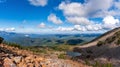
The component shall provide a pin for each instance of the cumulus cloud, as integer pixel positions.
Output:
(72, 9)
(91, 27)
(94, 27)
(80, 13)
(78, 20)
(79, 28)
(53, 18)
(7, 29)
(110, 22)
(42, 25)
(10, 29)
(86, 9)
(65, 29)
(38, 2)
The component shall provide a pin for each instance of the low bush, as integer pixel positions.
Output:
(1, 40)
(62, 56)
(100, 43)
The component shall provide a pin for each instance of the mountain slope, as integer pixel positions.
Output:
(105, 49)
(101, 38)
(15, 57)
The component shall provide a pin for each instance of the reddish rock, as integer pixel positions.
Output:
(37, 64)
(8, 63)
(22, 64)
(17, 59)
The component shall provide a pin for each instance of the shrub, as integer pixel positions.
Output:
(100, 43)
(87, 62)
(1, 40)
(14, 45)
(61, 56)
(118, 42)
(98, 64)
(106, 65)
(60, 47)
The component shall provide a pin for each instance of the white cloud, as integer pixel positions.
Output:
(38, 2)
(1, 29)
(110, 22)
(42, 25)
(53, 18)
(10, 29)
(95, 5)
(72, 9)
(80, 13)
(79, 28)
(7, 29)
(94, 27)
(78, 20)
(65, 29)
(87, 9)
(91, 27)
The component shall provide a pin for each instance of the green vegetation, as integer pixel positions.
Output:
(98, 64)
(62, 56)
(111, 39)
(14, 45)
(118, 42)
(60, 47)
(87, 62)
(41, 49)
(74, 41)
(100, 43)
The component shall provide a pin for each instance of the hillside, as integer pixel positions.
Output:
(15, 57)
(104, 49)
(100, 38)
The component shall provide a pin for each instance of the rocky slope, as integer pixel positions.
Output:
(105, 49)
(14, 57)
(101, 38)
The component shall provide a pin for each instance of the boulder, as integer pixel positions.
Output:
(17, 59)
(22, 64)
(8, 63)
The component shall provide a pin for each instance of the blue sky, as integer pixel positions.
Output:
(59, 16)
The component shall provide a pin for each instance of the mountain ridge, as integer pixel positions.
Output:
(100, 38)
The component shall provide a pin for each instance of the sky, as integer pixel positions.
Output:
(59, 16)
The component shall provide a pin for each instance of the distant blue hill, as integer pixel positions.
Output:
(47, 39)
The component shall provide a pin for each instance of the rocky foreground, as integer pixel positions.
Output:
(14, 57)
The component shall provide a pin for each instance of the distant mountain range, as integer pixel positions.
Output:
(47, 39)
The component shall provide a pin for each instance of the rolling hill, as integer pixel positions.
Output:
(47, 39)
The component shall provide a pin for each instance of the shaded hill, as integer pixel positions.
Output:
(104, 49)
